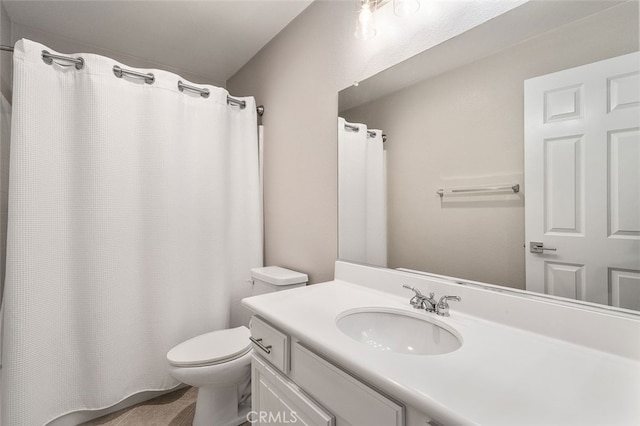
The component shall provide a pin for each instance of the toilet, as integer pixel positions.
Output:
(218, 363)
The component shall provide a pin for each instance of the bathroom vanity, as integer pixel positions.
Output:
(510, 359)
(293, 371)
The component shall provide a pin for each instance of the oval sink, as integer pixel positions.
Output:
(397, 331)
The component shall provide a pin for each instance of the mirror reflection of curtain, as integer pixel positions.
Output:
(362, 216)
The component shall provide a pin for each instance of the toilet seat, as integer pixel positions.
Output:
(211, 348)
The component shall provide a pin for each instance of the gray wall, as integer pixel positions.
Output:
(469, 123)
(297, 77)
(6, 63)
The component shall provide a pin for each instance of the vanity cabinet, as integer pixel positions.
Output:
(277, 400)
(315, 390)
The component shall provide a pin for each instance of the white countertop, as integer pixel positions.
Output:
(500, 376)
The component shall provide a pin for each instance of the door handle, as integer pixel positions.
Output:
(538, 247)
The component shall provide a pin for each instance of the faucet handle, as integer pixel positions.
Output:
(442, 308)
(413, 288)
(417, 301)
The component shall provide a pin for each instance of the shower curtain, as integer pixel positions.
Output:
(134, 218)
(5, 135)
(362, 216)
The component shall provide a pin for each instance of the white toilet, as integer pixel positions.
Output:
(219, 362)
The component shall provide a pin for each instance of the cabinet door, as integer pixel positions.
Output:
(351, 401)
(278, 401)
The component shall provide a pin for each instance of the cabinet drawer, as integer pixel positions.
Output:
(351, 401)
(270, 343)
(277, 400)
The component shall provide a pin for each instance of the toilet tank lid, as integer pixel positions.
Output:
(278, 276)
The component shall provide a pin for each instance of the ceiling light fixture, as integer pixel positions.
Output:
(365, 17)
(405, 7)
(365, 20)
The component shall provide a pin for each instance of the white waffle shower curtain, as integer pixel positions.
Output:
(134, 212)
(362, 214)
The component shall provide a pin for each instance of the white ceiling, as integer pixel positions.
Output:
(210, 39)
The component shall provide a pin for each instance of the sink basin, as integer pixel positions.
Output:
(398, 331)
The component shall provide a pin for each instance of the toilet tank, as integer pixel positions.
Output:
(274, 278)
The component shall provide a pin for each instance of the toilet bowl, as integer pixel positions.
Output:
(219, 362)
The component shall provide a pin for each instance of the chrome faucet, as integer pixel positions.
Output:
(420, 301)
(442, 308)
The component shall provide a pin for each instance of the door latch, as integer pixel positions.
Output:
(538, 247)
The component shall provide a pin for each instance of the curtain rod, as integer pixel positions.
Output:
(370, 133)
(148, 78)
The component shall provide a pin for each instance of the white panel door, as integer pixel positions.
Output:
(582, 182)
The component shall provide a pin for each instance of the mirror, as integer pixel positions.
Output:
(454, 118)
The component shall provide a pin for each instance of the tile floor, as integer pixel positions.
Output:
(172, 409)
